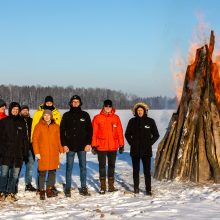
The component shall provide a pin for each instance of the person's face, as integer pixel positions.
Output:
(24, 112)
(49, 103)
(15, 111)
(140, 112)
(75, 103)
(108, 109)
(47, 117)
(2, 109)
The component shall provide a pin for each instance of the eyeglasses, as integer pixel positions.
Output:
(107, 106)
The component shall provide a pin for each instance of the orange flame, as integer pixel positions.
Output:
(216, 82)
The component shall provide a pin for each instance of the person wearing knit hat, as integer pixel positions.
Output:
(29, 163)
(76, 136)
(14, 150)
(48, 104)
(75, 97)
(141, 133)
(47, 147)
(48, 99)
(2, 109)
(107, 139)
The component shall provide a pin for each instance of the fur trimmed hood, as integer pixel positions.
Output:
(142, 105)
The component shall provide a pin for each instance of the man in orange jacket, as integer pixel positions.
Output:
(107, 138)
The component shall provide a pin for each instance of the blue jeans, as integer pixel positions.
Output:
(69, 167)
(8, 178)
(29, 168)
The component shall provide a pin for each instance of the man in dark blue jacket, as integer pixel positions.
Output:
(141, 133)
(76, 137)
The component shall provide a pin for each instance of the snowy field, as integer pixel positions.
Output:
(170, 200)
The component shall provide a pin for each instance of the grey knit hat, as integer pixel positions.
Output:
(49, 112)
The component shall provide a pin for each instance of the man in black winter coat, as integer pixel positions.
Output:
(141, 133)
(76, 137)
(13, 138)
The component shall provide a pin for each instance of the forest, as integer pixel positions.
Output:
(92, 98)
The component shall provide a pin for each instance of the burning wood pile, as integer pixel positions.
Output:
(190, 149)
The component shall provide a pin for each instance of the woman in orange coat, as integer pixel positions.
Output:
(107, 138)
(47, 146)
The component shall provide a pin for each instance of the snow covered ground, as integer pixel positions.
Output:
(170, 200)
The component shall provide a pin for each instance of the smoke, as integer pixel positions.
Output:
(200, 36)
(178, 64)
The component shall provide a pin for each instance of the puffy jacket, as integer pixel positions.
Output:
(2, 115)
(141, 133)
(107, 132)
(38, 115)
(46, 142)
(76, 129)
(13, 141)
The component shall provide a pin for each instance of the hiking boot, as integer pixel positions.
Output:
(11, 197)
(148, 193)
(55, 190)
(136, 190)
(84, 192)
(42, 194)
(103, 185)
(111, 187)
(2, 196)
(30, 188)
(67, 192)
(50, 193)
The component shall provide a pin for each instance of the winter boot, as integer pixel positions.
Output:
(2, 196)
(55, 190)
(111, 187)
(84, 191)
(67, 192)
(103, 185)
(136, 190)
(50, 193)
(11, 197)
(148, 193)
(30, 188)
(42, 194)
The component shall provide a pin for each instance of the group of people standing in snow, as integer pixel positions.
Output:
(50, 135)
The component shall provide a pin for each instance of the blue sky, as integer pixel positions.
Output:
(124, 45)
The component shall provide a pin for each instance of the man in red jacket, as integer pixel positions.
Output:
(107, 138)
(2, 109)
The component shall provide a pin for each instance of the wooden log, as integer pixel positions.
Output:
(209, 141)
(182, 112)
(162, 145)
(216, 130)
(166, 152)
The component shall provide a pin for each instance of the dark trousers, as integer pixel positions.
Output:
(136, 169)
(50, 178)
(111, 155)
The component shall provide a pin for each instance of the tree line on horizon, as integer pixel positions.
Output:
(92, 98)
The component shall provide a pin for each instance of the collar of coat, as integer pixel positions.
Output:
(45, 123)
(106, 114)
(41, 108)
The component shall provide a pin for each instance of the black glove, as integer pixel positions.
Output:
(94, 150)
(121, 149)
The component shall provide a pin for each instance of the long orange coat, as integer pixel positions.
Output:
(46, 142)
(107, 132)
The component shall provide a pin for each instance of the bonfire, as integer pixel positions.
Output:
(190, 149)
